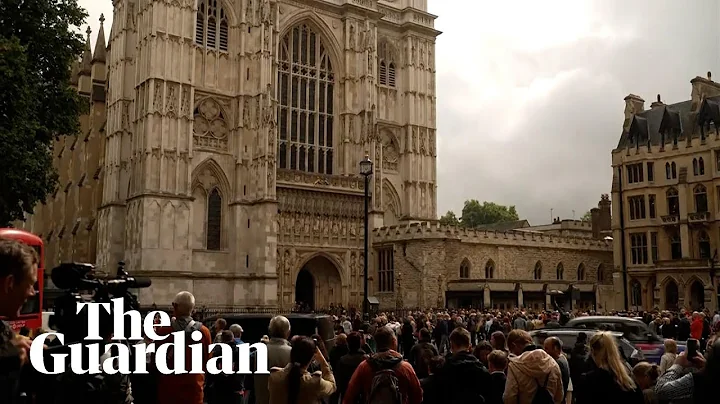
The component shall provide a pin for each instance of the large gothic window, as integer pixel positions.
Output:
(386, 66)
(214, 220)
(306, 85)
(211, 25)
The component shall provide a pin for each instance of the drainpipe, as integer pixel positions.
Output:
(622, 239)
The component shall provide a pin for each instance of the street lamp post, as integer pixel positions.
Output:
(366, 170)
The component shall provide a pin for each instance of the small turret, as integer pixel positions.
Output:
(84, 81)
(99, 55)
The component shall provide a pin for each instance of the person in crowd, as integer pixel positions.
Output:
(579, 360)
(346, 325)
(531, 372)
(278, 356)
(293, 384)
(482, 350)
(472, 327)
(497, 362)
(553, 346)
(407, 338)
(339, 349)
(219, 327)
(237, 331)
(668, 358)
(349, 362)
(386, 366)
(462, 379)
(696, 326)
(683, 327)
(429, 383)
(18, 274)
(440, 333)
(519, 323)
(692, 380)
(185, 388)
(421, 352)
(646, 375)
(609, 381)
(497, 341)
(225, 388)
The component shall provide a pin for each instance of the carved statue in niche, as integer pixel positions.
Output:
(249, 11)
(316, 224)
(390, 154)
(335, 228)
(343, 227)
(326, 226)
(266, 40)
(246, 113)
(185, 109)
(265, 12)
(353, 228)
(306, 225)
(352, 36)
(298, 224)
(271, 176)
(258, 112)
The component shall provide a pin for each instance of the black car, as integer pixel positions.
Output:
(255, 325)
(569, 336)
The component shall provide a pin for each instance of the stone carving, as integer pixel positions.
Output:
(266, 40)
(158, 96)
(246, 113)
(390, 155)
(345, 182)
(171, 106)
(320, 203)
(265, 12)
(210, 129)
(249, 11)
(352, 36)
(432, 142)
(185, 101)
(271, 176)
(258, 112)
(423, 149)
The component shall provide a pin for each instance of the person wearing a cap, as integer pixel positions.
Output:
(237, 333)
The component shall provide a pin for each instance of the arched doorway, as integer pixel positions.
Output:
(697, 295)
(671, 295)
(318, 284)
(305, 289)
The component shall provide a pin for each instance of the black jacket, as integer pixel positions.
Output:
(418, 357)
(9, 366)
(599, 387)
(683, 329)
(345, 368)
(498, 388)
(463, 379)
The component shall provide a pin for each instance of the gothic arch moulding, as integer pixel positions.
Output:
(390, 151)
(330, 257)
(387, 49)
(227, 7)
(391, 203)
(209, 175)
(314, 21)
(211, 126)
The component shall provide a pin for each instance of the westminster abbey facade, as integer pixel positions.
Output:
(221, 152)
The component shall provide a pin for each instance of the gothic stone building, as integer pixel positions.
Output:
(665, 198)
(221, 152)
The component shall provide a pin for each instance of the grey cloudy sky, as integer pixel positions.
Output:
(530, 93)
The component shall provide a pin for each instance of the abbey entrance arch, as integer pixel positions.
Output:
(318, 282)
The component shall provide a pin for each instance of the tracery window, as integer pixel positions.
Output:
(601, 273)
(386, 270)
(386, 66)
(214, 220)
(306, 84)
(581, 272)
(490, 270)
(701, 202)
(465, 269)
(211, 25)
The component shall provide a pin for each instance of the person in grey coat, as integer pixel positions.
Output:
(278, 355)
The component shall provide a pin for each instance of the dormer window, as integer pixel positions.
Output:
(211, 26)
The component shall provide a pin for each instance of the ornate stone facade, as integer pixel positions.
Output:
(224, 150)
(665, 201)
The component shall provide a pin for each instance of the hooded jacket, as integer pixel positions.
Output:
(462, 379)
(528, 372)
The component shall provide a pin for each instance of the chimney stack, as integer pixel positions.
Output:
(657, 103)
(702, 88)
(633, 105)
(601, 217)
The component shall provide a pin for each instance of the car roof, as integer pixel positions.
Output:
(607, 319)
(572, 331)
(289, 316)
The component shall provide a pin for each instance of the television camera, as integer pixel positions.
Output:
(83, 283)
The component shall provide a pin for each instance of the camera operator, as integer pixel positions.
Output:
(18, 274)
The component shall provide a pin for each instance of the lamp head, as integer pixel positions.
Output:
(366, 166)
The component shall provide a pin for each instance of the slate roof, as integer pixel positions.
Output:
(648, 127)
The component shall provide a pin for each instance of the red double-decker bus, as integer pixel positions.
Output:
(31, 312)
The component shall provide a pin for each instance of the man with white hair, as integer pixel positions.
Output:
(278, 355)
(237, 331)
(183, 388)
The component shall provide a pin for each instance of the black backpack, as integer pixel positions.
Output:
(542, 395)
(385, 386)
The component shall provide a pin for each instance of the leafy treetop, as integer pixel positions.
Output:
(475, 214)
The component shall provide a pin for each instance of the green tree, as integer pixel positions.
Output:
(37, 46)
(450, 219)
(475, 214)
(586, 217)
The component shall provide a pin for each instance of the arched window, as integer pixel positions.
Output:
(386, 66)
(211, 25)
(635, 293)
(695, 167)
(537, 272)
(673, 203)
(700, 194)
(673, 168)
(214, 220)
(490, 270)
(601, 273)
(305, 112)
(704, 245)
(675, 245)
(465, 269)
(701, 166)
(581, 272)
(382, 75)
(560, 271)
(391, 74)
(668, 173)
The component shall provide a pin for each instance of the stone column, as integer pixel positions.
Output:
(486, 297)
(520, 297)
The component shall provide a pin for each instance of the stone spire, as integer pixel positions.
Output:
(100, 49)
(85, 68)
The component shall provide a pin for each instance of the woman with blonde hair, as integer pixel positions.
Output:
(646, 375)
(609, 381)
(669, 356)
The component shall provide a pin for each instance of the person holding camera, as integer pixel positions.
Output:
(293, 384)
(692, 377)
(18, 274)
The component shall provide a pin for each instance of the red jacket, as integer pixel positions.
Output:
(362, 379)
(696, 328)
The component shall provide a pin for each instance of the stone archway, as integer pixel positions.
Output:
(319, 282)
(697, 295)
(672, 295)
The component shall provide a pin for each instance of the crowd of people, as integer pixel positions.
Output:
(425, 356)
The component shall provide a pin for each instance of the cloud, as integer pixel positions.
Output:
(530, 93)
